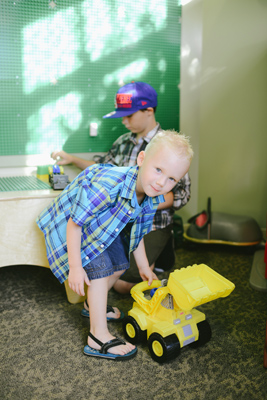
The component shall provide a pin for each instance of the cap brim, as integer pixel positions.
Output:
(120, 113)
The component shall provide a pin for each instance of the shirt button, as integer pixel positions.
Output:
(102, 246)
(87, 258)
(130, 212)
(116, 230)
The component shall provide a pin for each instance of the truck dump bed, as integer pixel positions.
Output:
(196, 285)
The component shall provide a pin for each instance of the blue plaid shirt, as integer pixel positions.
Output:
(98, 200)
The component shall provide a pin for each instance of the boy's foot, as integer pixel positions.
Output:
(112, 348)
(113, 313)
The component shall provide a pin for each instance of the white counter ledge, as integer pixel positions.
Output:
(21, 241)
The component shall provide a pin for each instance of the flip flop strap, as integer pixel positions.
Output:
(106, 346)
(111, 343)
(110, 309)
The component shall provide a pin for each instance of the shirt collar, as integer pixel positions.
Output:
(148, 136)
(129, 185)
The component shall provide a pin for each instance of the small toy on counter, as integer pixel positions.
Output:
(42, 173)
(58, 180)
(167, 318)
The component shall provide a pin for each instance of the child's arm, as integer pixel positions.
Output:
(77, 275)
(66, 158)
(168, 201)
(142, 263)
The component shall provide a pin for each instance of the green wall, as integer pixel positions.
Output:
(62, 63)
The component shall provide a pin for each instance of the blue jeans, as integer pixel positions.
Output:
(114, 258)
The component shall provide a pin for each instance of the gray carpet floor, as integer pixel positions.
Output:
(42, 340)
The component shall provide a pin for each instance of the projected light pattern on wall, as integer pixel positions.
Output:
(63, 62)
(107, 31)
(125, 74)
(53, 124)
(51, 49)
(58, 39)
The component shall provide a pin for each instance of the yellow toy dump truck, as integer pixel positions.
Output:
(167, 317)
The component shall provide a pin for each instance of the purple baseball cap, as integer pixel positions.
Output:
(133, 97)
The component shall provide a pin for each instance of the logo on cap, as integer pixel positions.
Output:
(124, 100)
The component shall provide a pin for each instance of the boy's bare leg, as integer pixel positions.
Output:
(97, 299)
(112, 279)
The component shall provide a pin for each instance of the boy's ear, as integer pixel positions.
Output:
(140, 158)
(151, 109)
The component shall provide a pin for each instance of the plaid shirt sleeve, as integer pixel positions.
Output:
(90, 200)
(120, 152)
(182, 192)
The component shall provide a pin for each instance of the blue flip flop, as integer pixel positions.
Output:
(103, 352)
(85, 313)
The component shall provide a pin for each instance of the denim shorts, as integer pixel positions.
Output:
(114, 258)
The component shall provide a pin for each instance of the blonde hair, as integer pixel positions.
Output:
(176, 141)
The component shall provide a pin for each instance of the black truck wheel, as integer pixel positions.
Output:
(163, 349)
(132, 331)
(204, 334)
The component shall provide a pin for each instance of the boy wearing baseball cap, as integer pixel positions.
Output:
(136, 104)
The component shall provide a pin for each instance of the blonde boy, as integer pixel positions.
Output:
(102, 216)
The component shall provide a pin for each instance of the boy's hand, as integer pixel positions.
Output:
(62, 157)
(142, 263)
(77, 278)
(147, 274)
